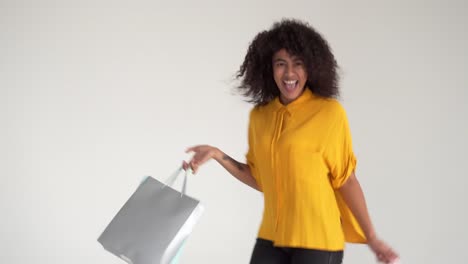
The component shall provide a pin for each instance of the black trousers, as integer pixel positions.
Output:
(265, 253)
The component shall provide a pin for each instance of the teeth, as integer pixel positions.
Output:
(290, 82)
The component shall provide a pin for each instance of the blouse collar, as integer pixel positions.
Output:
(306, 95)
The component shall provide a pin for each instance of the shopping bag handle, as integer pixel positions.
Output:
(170, 181)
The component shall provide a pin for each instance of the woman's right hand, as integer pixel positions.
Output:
(203, 153)
(383, 252)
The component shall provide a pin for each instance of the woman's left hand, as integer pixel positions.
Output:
(383, 252)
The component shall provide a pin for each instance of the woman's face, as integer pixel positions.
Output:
(290, 75)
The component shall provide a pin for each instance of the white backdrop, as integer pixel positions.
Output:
(96, 94)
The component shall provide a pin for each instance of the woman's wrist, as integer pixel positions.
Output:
(218, 154)
(371, 237)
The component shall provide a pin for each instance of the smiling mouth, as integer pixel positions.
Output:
(290, 85)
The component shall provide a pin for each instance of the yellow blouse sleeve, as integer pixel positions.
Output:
(339, 149)
(250, 156)
(342, 162)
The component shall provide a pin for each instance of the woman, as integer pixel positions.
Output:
(300, 152)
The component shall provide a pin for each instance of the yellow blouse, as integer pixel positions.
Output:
(300, 154)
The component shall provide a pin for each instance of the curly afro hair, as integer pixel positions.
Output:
(298, 39)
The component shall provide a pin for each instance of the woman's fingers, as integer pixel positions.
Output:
(202, 155)
(388, 256)
(381, 258)
(391, 256)
(196, 148)
(185, 165)
(384, 253)
(191, 149)
(194, 166)
(191, 164)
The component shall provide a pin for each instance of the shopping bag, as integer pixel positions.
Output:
(154, 222)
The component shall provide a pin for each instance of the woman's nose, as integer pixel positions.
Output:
(289, 71)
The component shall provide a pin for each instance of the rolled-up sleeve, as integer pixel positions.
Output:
(339, 149)
(250, 156)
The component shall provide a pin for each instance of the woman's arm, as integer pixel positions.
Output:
(354, 197)
(203, 153)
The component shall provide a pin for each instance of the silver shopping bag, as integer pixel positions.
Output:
(153, 224)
